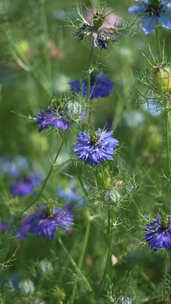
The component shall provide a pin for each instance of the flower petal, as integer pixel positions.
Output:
(166, 5)
(165, 21)
(137, 9)
(149, 23)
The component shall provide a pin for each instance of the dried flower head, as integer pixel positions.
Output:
(101, 26)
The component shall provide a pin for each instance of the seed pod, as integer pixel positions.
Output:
(162, 76)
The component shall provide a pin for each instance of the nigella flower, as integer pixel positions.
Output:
(158, 233)
(52, 117)
(100, 26)
(95, 147)
(44, 222)
(25, 185)
(100, 86)
(154, 12)
(13, 167)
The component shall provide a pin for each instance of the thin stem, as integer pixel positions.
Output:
(75, 265)
(165, 300)
(168, 136)
(89, 92)
(82, 186)
(48, 175)
(80, 262)
(110, 239)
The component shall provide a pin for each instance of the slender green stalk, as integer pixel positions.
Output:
(48, 175)
(165, 298)
(75, 266)
(109, 252)
(89, 84)
(82, 186)
(167, 122)
(80, 262)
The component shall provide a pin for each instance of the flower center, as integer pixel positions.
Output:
(98, 20)
(164, 223)
(94, 139)
(48, 213)
(154, 8)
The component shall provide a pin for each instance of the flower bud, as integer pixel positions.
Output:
(73, 110)
(23, 47)
(112, 195)
(162, 76)
(26, 287)
(45, 266)
(59, 294)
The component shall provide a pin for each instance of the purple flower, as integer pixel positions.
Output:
(100, 26)
(42, 222)
(25, 185)
(13, 167)
(153, 13)
(100, 86)
(52, 117)
(95, 147)
(158, 233)
(3, 225)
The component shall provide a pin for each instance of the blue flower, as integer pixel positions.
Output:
(153, 13)
(158, 233)
(100, 86)
(152, 107)
(13, 167)
(52, 117)
(25, 185)
(42, 222)
(71, 196)
(95, 147)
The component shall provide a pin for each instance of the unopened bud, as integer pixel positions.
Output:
(162, 76)
(112, 195)
(26, 287)
(74, 110)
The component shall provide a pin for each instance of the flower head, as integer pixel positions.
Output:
(100, 26)
(100, 86)
(52, 117)
(44, 222)
(95, 147)
(153, 12)
(25, 185)
(13, 167)
(158, 233)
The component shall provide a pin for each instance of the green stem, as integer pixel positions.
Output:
(110, 239)
(80, 262)
(75, 266)
(167, 114)
(48, 175)
(89, 84)
(165, 299)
